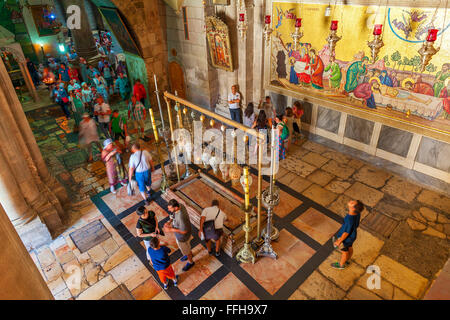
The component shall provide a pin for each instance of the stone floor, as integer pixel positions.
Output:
(405, 231)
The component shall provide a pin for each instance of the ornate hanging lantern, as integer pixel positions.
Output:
(428, 50)
(242, 25)
(377, 43)
(267, 30)
(333, 38)
(297, 34)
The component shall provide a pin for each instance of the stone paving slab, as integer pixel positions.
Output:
(90, 235)
(369, 196)
(402, 277)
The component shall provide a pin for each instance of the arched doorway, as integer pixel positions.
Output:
(176, 79)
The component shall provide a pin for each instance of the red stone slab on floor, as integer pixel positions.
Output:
(316, 225)
(272, 274)
(287, 204)
(229, 288)
(440, 289)
(205, 266)
(147, 290)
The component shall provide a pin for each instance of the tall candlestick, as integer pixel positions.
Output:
(159, 104)
(246, 188)
(155, 130)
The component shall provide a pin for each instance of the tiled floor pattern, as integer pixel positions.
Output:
(299, 253)
(405, 230)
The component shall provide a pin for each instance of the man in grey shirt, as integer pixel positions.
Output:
(180, 225)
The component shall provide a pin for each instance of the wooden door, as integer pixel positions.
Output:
(176, 79)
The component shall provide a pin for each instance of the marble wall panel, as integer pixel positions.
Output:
(359, 129)
(279, 101)
(394, 140)
(328, 119)
(434, 153)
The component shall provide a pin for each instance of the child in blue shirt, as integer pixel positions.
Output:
(348, 232)
(159, 259)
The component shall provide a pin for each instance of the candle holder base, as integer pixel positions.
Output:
(267, 251)
(246, 254)
(258, 242)
(187, 173)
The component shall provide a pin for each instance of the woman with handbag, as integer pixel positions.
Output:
(211, 226)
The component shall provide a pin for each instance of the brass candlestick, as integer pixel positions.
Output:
(375, 45)
(246, 254)
(169, 111)
(332, 39)
(164, 183)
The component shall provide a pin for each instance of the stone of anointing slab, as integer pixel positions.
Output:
(90, 235)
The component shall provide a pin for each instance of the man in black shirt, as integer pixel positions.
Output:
(146, 226)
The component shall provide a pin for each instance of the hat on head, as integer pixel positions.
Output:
(107, 142)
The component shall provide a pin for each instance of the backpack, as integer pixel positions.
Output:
(285, 132)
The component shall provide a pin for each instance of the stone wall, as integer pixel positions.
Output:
(147, 22)
(191, 54)
(427, 157)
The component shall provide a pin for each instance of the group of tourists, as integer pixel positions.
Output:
(286, 120)
(147, 228)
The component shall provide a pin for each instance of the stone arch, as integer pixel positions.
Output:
(146, 20)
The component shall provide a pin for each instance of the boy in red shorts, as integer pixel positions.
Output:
(159, 255)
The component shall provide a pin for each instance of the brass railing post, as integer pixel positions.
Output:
(169, 111)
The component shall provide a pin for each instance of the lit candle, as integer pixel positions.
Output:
(155, 130)
(156, 83)
(241, 17)
(432, 35)
(298, 22)
(212, 122)
(246, 188)
(267, 20)
(377, 29)
(334, 25)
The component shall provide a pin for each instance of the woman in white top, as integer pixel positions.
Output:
(249, 115)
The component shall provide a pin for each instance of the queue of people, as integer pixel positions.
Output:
(287, 121)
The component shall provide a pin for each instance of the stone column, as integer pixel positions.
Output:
(258, 50)
(83, 38)
(20, 280)
(19, 118)
(21, 163)
(245, 53)
(232, 18)
(11, 197)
